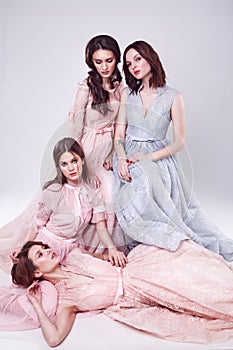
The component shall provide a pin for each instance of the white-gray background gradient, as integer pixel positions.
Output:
(42, 58)
(42, 46)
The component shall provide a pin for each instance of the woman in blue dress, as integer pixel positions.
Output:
(153, 201)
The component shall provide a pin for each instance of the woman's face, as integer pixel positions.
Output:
(104, 62)
(137, 65)
(71, 166)
(43, 258)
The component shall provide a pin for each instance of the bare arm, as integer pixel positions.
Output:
(54, 333)
(115, 256)
(178, 121)
(119, 139)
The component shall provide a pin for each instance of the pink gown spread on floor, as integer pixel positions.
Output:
(95, 131)
(185, 296)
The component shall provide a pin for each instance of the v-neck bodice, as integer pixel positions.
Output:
(152, 125)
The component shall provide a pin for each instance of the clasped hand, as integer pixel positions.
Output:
(123, 165)
(116, 257)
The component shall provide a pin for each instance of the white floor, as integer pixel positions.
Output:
(100, 332)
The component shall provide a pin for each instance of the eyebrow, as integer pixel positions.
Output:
(63, 161)
(137, 54)
(99, 59)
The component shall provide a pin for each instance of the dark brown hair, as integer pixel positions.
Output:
(158, 78)
(94, 80)
(22, 272)
(67, 144)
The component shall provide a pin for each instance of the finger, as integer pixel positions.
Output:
(123, 260)
(117, 261)
(111, 259)
(124, 173)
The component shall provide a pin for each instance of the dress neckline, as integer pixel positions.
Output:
(78, 186)
(159, 93)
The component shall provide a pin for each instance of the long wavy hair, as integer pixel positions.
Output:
(67, 144)
(22, 272)
(158, 78)
(94, 80)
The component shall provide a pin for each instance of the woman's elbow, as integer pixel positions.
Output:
(54, 341)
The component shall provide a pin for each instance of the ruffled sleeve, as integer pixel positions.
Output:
(17, 312)
(47, 205)
(99, 210)
(77, 112)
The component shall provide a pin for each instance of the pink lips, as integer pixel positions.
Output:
(73, 174)
(137, 72)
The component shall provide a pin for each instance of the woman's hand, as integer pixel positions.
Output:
(116, 257)
(94, 181)
(136, 157)
(104, 257)
(13, 255)
(34, 293)
(108, 163)
(123, 169)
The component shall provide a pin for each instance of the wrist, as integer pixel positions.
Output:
(112, 248)
(122, 159)
(152, 156)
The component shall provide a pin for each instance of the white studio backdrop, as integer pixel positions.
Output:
(42, 47)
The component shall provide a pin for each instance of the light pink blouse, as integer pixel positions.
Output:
(65, 211)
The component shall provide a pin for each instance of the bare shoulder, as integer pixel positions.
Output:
(178, 101)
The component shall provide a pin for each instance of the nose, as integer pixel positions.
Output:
(104, 66)
(133, 65)
(70, 166)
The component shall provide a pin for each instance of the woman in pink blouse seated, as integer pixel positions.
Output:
(185, 296)
(68, 206)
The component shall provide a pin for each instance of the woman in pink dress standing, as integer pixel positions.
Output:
(92, 118)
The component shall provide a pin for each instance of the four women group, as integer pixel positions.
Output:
(168, 277)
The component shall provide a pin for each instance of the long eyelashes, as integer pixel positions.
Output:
(110, 60)
(73, 161)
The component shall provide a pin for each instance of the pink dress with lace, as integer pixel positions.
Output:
(185, 296)
(95, 132)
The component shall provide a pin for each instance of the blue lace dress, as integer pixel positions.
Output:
(158, 207)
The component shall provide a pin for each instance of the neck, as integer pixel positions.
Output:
(106, 83)
(147, 89)
(146, 80)
(57, 275)
(74, 183)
